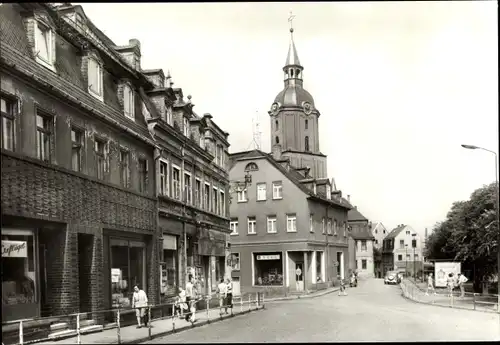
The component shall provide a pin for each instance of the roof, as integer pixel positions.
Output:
(292, 58)
(292, 175)
(362, 233)
(355, 215)
(395, 232)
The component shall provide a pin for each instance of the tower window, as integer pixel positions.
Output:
(297, 73)
(307, 143)
(277, 140)
(277, 125)
(307, 124)
(291, 72)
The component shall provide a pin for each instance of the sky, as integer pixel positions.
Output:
(400, 86)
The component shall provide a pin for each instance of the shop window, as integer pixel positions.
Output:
(268, 268)
(19, 277)
(128, 268)
(169, 274)
(235, 261)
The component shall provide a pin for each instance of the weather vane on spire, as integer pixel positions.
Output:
(290, 20)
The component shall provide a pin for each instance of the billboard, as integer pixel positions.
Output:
(442, 269)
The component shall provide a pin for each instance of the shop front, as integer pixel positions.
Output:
(169, 268)
(268, 269)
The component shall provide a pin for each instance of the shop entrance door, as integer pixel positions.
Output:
(42, 254)
(299, 276)
(85, 243)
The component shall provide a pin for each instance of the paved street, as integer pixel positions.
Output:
(371, 312)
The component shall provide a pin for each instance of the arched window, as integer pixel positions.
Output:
(277, 125)
(307, 124)
(277, 140)
(251, 167)
(307, 143)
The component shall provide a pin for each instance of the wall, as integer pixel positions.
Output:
(365, 255)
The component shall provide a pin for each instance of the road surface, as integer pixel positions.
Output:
(371, 312)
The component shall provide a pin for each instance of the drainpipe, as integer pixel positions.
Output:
(159, 233)
(327, 257)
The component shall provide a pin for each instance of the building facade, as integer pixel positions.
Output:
(289, 228)
(84, 134)
(402, 251)
(361, 243)
(379, 231)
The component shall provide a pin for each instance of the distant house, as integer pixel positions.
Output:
(360, 244)
(402, 251)
(379, 231)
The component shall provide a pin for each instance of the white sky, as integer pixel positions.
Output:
(400, 85)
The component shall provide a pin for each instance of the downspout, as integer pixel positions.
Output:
(159, 233)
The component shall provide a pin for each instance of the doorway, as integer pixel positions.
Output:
(299, 276)
(85, 248)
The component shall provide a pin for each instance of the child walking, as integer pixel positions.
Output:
(342, 287)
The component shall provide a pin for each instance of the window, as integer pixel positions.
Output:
(251, 225)
(235, 261)
(311, 225)
(222, 203)
(291, 223)
(44, 44)
(164, 183)
(357, 266)
(376, 241)
(261, 191)
(319, 271)
(323, 225)
(407, 257)
(128, 102)
(169, 115)
(271, 225)
(329, 226)
(95, 78)
(268, 269)
(251, 167)
(344, 228)
(407, 232)
(384, 231)
(401, 244)
(215, 201)
(124, 167)
(44, 133)
(328, 192)
(197, 193)
(277, 190)
(176, 183)
(7, 113)
(414, 243)
(143, 175)
(306, 124)
(400, 257)
(363, 264)
(207, 196)
(233, 225)
(100, 156)
(376, 231)
(416, 257)
(169, 268)
(277, 140)
(187, 188)
(76, 149)
(306, 143)
(276, 125)
(218, 155)
(335, 227)
(186, 126)
(202, 141)
(363, 245)
(242, 195)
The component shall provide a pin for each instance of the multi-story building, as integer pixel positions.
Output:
(379, 231)
(289, 229)
(85, 138)
(402, 251)
(360, 244)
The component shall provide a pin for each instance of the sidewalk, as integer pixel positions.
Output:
(305, 295)
(159, 327)
(415, 293)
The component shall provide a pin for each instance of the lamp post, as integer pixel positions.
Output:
(406, 260)
(414, 245)
(472, 147)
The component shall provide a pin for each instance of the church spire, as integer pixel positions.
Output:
(293, 69)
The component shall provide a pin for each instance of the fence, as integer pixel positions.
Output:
(442, 297)
(121, 330)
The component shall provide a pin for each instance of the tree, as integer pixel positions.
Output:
(469, 234)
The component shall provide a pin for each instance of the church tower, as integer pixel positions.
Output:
(294, 119)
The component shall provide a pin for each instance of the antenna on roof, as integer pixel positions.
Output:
(256, 133)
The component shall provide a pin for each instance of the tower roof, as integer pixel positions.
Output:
(292, 58)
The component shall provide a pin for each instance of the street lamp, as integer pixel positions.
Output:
(472, 147)
(406, 260)
(414, 245)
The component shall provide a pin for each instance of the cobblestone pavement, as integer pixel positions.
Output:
(371, 312)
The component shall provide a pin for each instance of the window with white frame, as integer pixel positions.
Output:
(44, 45)
(222, 202)
(164, 183)
(329, 226)
(95, 78)
(323, 227)
(233, 225)
(311, 224)
(197, 193)
(77, 136)
(215, 200)
(291, 223)
(271, 224)
(187, 188)
(261, 191)
(363, 245)
(242, 195)
(7, 113)
(277, 190)
(335, 227)
(101, 157)
(176, 182)
(124, 168)
(128, 102)
(252, 223)
(206, 196)
(186, 126)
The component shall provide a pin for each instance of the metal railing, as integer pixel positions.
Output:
(452, 299)
(125, 320)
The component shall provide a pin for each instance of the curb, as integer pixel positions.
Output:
(299, 296)
(195, 325)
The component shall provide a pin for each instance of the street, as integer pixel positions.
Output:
(371, 312)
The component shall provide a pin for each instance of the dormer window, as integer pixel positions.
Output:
(44, 45)
(128, 102)
(169, 116)
(95, 78)
(186, 127)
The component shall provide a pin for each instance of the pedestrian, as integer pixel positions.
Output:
(221, 291)
(140, 302)
(430, 284)
(342, 287)
(450, 283)
(461, 281)
(191, 299)
(229, 293)
(180, 304)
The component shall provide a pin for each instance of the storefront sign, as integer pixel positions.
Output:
(14, 249)
(268, 257)
(116, 274)
(169, 242)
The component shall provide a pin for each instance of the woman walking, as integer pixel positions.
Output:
(430, 285)
(229, 294)
(450, 284)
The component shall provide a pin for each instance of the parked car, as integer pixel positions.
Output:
(392, 277)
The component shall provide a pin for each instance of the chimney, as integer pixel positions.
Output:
(348, 198)
(156, 77)
(131, 53)
(276, 151)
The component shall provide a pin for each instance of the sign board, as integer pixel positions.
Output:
(116, 275)
(268, 257)
(14, 249)
(442, 269)
(169, 242)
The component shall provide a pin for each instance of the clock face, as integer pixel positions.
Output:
(274, 108)
(307, 108)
